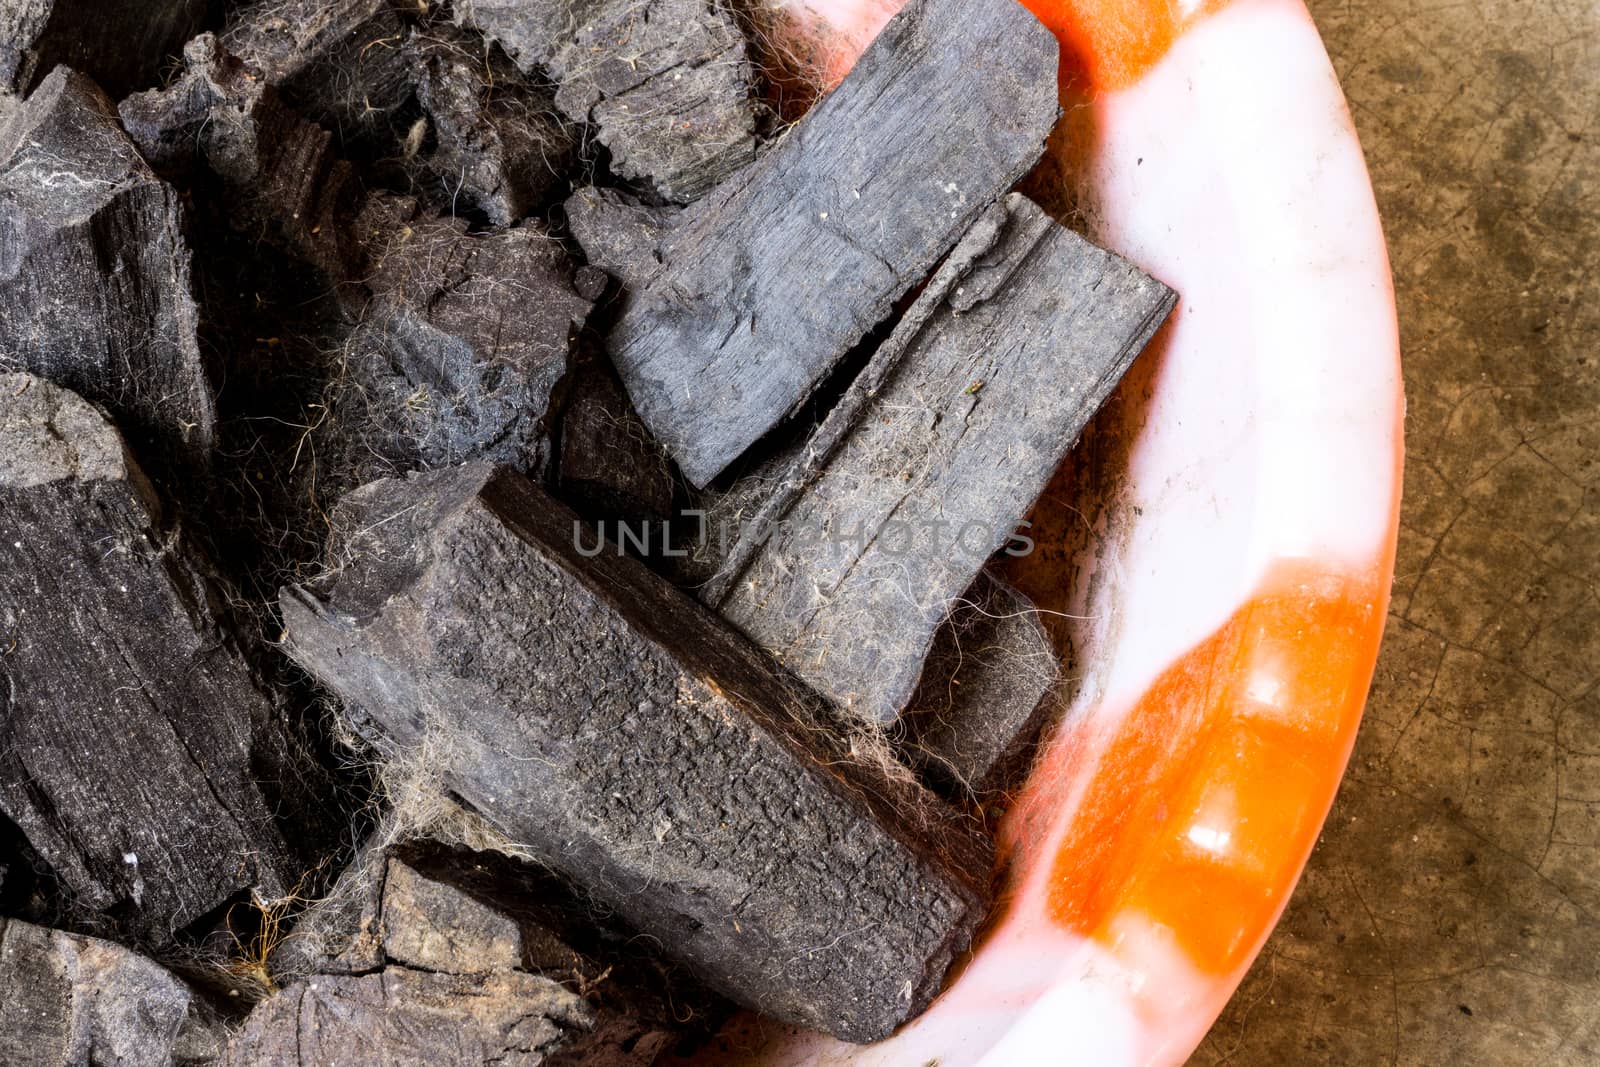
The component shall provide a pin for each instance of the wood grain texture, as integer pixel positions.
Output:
(606, 722)
(666, 84)
(68, 1000)
(927, 466)
(795, 259)
(122, 45)
(94, 273)
(132, 731)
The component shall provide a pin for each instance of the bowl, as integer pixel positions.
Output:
(1216, 557)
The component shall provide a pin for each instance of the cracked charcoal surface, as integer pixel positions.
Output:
(666, 83)
(133, 732)
(591, 678)
(789, 264)
(120, 44)
(94, 273)
(1449, 914)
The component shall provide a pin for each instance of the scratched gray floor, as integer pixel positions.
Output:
(1448, 916)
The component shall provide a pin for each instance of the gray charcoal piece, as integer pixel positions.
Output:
(94, 273)
(606, 722)
(988, 689)
(122, 45)
(464, 341)
(933, 458)
(619, 234)
(667, 84)
(128, 741)
(402, 1016)
(70, 1001)
(782, 271)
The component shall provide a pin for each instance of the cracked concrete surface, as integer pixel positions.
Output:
(1449, 914)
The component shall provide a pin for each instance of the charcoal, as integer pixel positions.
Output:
(341, 64)
(80, 1000)
(798, 257)
(618, 234)
(667, 84)
(988, 688)
(120, 44)
(282, 174)
(464, 341)
(610, 467)
(403, 1016)
(94, 274)
(606, 723)
(495, 143)
(130, 753)
(930, 462)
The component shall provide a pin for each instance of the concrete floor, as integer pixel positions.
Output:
(1449, 914)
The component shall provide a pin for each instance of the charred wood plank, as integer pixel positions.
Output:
(796, 259)
(934, 456)
(94, 274)
(666, 83)
(987, 690)
(600, 718)
(121, 44)
(128, 743)
(79, 1000)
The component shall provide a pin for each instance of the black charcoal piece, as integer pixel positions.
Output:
(609, 724)
(128, 743)
(610, 467)
(283, 174)
(94, 273)
(617, 233)
(79, 1000)
(492, 140)
(464, 341)
(666, 83)
(403, 1016)
(796, 259)
(934, 456)
(988, 688)
(122, 44)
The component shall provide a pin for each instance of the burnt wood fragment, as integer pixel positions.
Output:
(79, 1000)
(610, 467)
(935, 454)
(121, 44)
(129, 742)
(667, 84)
(94, 273)
(404, 1016)
(988, 688)
(796, 259)
(617, 233)
(603, 720)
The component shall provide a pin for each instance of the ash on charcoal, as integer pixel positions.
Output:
(80, 1000)
(667, 84)
(121, 44)
(630, 741)
(990, 685)
(795, 259)
(929, 464)
(94, 275)
(134, 733)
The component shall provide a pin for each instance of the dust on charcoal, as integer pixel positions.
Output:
(470, 591)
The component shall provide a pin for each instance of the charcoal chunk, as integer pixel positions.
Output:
(988, 688)
(617, 233)
(605, 722)
(121, 44)
(610, 466)
(666, 83)
(94, 273)
(79, 1000)
(799, 256)
(404, 1016)
(128, 744)
(929, 464)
